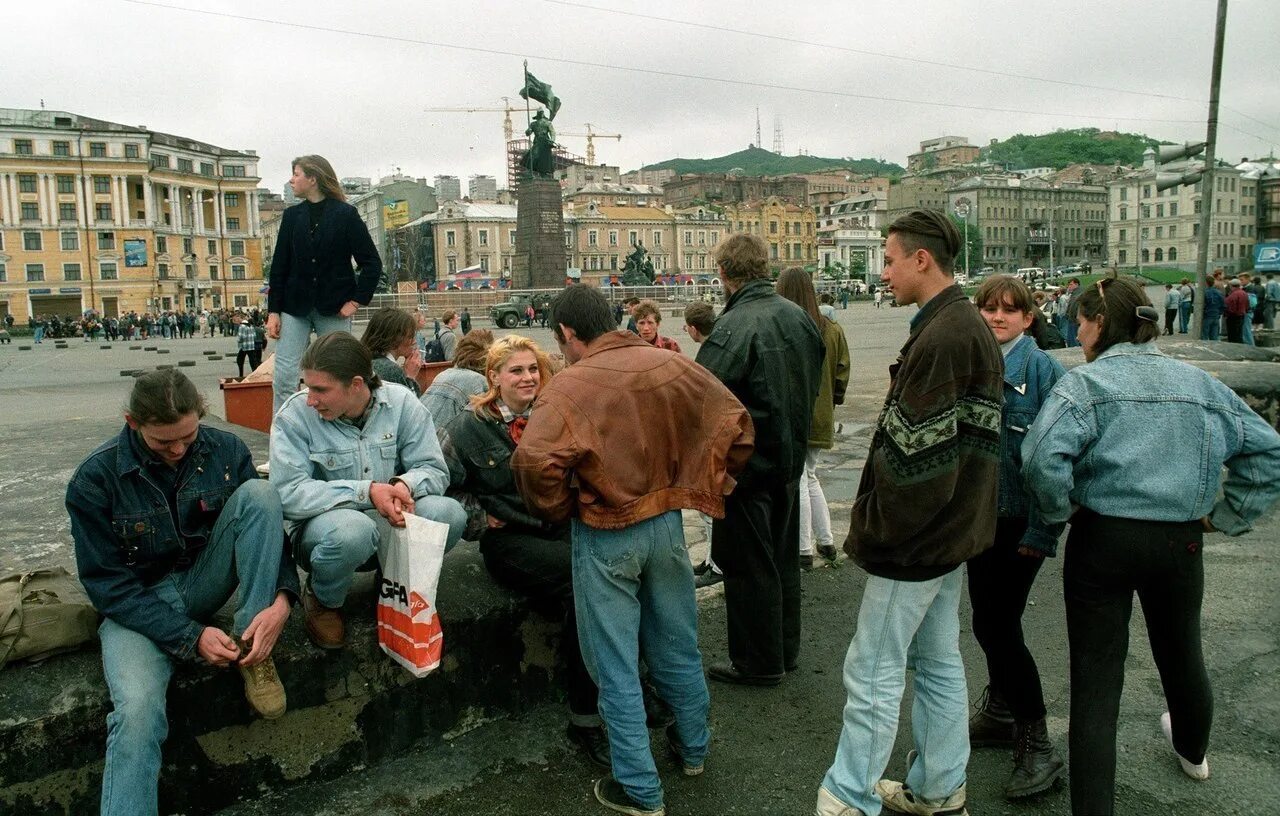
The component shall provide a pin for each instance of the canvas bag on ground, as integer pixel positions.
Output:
(42, 613)
(408, 627)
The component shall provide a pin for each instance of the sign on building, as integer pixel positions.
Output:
(1266, 257)
(135, 252)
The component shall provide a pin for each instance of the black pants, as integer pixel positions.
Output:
(1000, 580)
(757, 546)
(1107, 560)
(540, 567)
(1235, 329)
(1169, 316)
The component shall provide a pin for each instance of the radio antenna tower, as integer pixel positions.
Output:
(759, 142)
(778, 145)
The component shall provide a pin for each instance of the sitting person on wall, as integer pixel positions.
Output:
(344, 453)
(451, 391)
(169, 522)
(393, 334)
(648, 318)
(521, 552)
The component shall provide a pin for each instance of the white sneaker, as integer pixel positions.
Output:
(1197, 772)
(829, 805)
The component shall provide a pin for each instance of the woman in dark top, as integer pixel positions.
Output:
(313, 286)
(391, 335)
(521, 551)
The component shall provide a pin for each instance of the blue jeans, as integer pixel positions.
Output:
(1072, 328)
(335, 544)
(1246, 330)
(243, 551)
(903, 622)
(1211, 328)
(633, 593)
(295, 336)
(38, 333)
(1184, 316)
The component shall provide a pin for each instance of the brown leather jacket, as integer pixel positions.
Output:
(629, 432)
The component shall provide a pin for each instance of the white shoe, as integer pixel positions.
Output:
(828, 805)
(1197, 772)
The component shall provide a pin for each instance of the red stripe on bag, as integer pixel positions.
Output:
(419, 642)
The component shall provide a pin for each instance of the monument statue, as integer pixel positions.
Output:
(541, 159)
(638, 269)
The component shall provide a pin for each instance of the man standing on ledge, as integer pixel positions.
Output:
(312, 284)
(925, 505)
(632, 581)
(769, 354)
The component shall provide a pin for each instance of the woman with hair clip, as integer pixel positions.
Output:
(392, 334)
(1130, 447)
(795, 285)
(312, 285)
(521, 552)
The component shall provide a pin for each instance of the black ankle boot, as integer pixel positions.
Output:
(1036, 764)
(991, 726)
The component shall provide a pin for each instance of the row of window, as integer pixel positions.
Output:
(110, 270)
(70, 242)
(97, 150)
(66, 184)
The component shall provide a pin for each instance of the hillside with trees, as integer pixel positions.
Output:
(1063, 147)
(756, 161)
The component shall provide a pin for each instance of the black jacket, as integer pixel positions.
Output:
(768, 352)
(309, 273)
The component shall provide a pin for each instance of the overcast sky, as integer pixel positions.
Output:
(358, 98)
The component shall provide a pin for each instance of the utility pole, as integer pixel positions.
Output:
(1211, 142)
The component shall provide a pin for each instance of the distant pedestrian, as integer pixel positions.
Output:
(1172, 302)
(826, 306)
(1271, 302)
(313, 287)
(1214, 305)
(465, 319)
(879, 297)
(246, 341)
(1237, 311)
(1186, 302)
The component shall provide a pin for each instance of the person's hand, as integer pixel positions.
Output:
(495, 523)
(264, 630)
(413, 363)
(216, 647)
(402, 495)
(387, 503)
(1208, 525)
(273, 326)
(1030, 552)
(348, 308)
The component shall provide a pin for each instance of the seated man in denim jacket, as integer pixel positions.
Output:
(345, 452)
(169, 521)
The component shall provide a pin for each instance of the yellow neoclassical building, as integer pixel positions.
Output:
(790, 230)
(116, 218)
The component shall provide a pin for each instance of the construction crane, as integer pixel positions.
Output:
(591, 135)
(507, 129)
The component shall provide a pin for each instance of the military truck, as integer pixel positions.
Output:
(512, 312)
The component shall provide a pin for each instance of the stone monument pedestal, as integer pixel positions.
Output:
(539, 262)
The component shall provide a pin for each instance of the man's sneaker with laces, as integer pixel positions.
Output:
(899, 798)
(611, 794)
(1198, 772)
(263, 689)
(829, 805)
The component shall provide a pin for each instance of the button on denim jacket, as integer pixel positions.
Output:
(1138, 435)
(124, 533)
(320, 465)
(1029, 376)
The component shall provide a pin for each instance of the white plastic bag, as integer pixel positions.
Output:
(408, 627)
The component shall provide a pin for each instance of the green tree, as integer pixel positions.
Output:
(858, 267)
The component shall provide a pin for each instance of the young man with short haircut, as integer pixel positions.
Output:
(169, 521)
(448, 335)
(348, 451)
(632, 580)
(925, 505)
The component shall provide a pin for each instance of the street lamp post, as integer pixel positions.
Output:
(962, 209)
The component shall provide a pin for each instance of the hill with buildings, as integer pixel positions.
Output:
(1064, 147)
(756, 161)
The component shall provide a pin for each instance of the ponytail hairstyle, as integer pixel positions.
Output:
(1127, 315)
(342, 357)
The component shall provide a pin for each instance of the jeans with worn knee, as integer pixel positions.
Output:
(336, 544)
(295, 336)
(903, 622)
(243, 553)
(634, 594)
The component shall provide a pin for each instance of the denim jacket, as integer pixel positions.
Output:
(1029, 376)
(1138, 435)
(320, 465)
(125, 538)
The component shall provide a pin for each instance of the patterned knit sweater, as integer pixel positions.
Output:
(927, 499)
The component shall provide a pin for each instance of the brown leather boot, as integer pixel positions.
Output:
(991, 726)
(325, 626)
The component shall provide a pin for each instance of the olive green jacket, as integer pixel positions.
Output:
(831, 385)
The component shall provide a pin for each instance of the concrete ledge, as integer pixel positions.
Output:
(346, 709)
